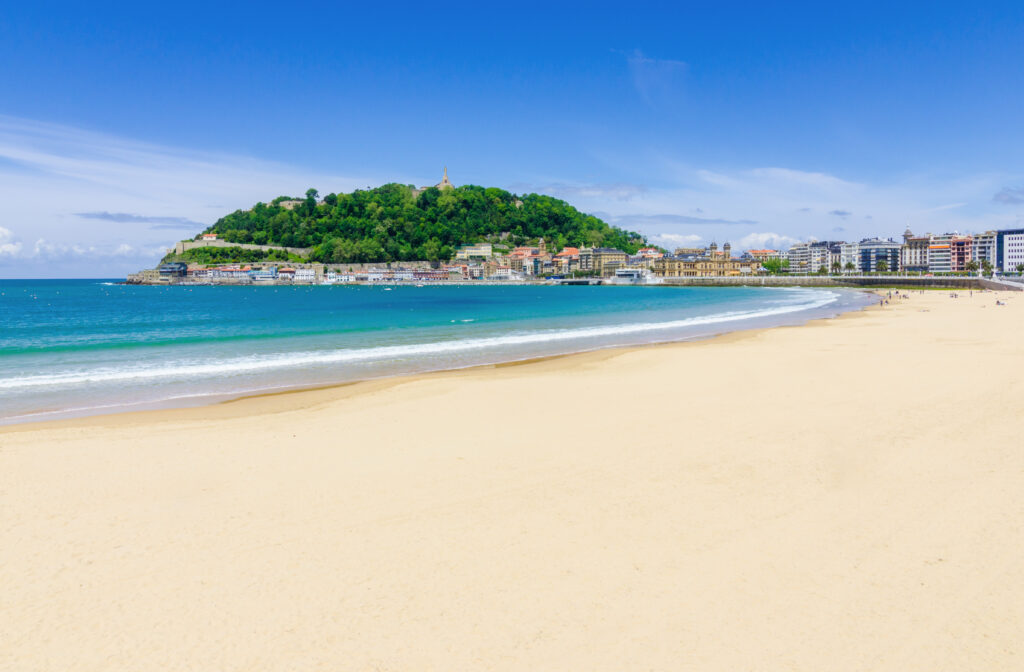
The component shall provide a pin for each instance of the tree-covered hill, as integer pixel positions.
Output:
(395, 223)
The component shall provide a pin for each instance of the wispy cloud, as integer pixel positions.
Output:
(158, 222)
(619, 191)
(1009, 196)
(947, 206)
(797, 205)
(137, 197)
(657, 80)
(670, 239)
(50, 251)
(667, 219)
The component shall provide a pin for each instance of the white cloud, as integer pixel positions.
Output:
(78, 193)
(797, 205)
(677, 238)
(766, 240)
(8, 245)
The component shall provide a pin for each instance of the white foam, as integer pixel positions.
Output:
(170, 371)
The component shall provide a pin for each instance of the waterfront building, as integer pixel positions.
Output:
(689, 251)
(986, 248)
(173, 270)
(606, 259)
(914, 253)
(477, 251)
(764, 255)
(866, 256)
(939, 258)
(798, 256)
(304, 276)
(263, 274)
(811, 257)
(630, 274)
(505, 273)
(872, 251)
(960, 253)
(650, 253)
(849, 258)
(1010, 248)
(710, 264)
(566, 261)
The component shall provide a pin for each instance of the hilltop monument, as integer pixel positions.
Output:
(445, 183)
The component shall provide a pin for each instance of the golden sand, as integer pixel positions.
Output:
(846, 495)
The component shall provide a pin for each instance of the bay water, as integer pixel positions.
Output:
(80, 347)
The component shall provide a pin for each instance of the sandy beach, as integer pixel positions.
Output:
(845, 495)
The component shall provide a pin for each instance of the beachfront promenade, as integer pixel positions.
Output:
(881, 281)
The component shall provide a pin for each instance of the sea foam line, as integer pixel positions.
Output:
(243, 365)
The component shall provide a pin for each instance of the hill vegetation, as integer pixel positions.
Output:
(223, 255)
(395, 222)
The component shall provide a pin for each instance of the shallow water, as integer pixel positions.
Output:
(76, 347)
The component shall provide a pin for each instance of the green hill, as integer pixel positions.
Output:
(396, 222)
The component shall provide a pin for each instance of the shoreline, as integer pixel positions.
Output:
(825, 496)
(219, 399)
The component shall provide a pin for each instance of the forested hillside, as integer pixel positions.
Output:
(396, 223)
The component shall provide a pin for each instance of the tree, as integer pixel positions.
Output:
(775, 266)
(972, 266)
(986, 267)
(822, 270)
(882, 266)
(1020, 268)
(836, 267)
(850, 267)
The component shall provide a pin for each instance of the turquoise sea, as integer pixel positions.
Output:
(79, 347)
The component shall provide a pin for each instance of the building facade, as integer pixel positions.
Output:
(710, 264)
(478, 251)
(939, 258)
(914, 254)
(1010, 247)
(811, 257)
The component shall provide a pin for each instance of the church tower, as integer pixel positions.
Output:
(543, 246)
(727, 249)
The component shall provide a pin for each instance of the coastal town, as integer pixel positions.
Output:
(948, 254)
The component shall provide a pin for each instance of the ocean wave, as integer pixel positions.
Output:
(173, 371)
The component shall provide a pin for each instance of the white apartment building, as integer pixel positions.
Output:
(1012, 252)
(810, 257)
(985, 248)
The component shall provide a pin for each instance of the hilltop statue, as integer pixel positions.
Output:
(445, 183)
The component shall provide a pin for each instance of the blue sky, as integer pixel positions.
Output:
(125, 127)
